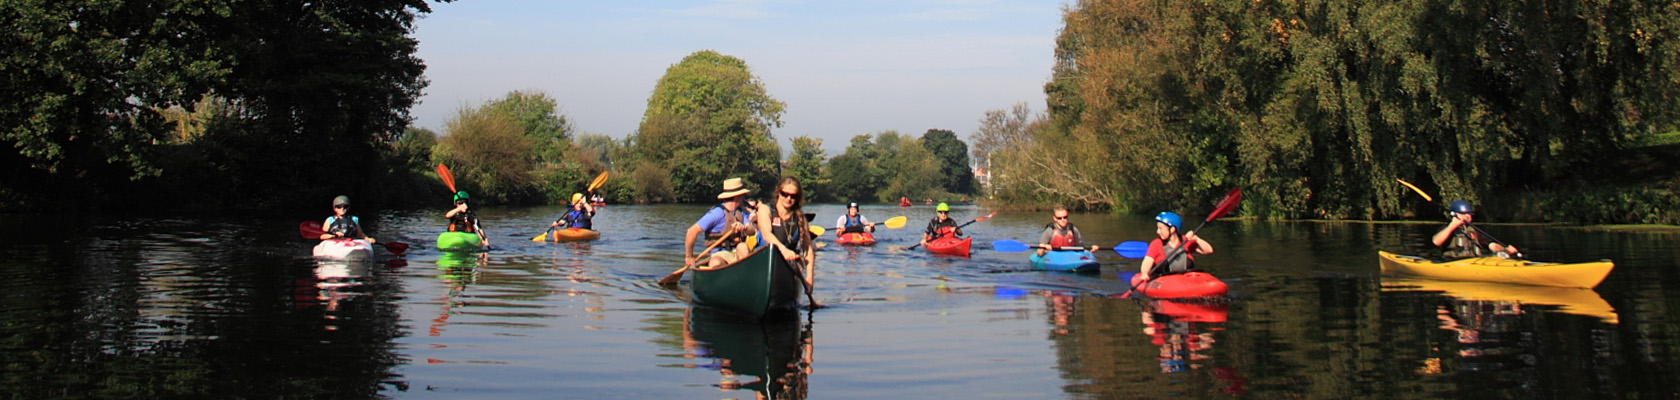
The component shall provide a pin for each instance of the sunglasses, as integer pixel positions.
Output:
(790, 195)
(342, 206)
(1061, 218)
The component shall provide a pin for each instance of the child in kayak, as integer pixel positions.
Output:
(853, 222)
(1170, 252)
(1463, 240)
(942, 225)
(579, 216)
(1059, 233)
(462, 219)
(341, 224)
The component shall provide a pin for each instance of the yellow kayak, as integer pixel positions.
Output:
(1576, 301)
(1495, 269)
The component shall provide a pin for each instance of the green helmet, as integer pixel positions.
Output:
(460, 196)
(942, 207)
(341, 200)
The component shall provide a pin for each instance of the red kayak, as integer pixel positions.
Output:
(858, 238)
(1178, 286)
(904, 202)
(950, 245)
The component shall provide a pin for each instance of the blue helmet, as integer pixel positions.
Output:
(1461, 207)
(1170, 218)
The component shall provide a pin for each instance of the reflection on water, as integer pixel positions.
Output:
(228, 307)
(770, 357)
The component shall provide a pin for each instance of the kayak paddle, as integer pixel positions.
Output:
(1132, 249)
(312, 230)
(982, 218)
(704, 254)
(1015, 246)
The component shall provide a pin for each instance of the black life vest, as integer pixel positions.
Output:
(344, 227)
(782, 231)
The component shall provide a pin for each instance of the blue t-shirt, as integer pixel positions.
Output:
(713, 221)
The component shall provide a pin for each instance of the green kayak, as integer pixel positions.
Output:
(757, 285)
(458, 241)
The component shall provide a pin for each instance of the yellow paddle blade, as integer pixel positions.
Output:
(541, 237)
(817, 230)
(599, 180)
(1415, 189)
(894, 222)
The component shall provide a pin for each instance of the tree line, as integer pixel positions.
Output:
(1315, 108)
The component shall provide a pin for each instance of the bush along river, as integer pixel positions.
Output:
(221, 307)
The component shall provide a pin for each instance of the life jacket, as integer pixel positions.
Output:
(789, 237)
(578, 219)
(1061, 237)
(1177, 259)
(854, 221)
(716, 231)
(464, 222)
(1463, 244)
(944, 228)
(344, 227)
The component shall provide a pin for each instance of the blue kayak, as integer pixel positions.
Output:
(1066, 261)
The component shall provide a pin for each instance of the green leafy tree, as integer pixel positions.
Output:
(709, 119)
(90, 83)
(910, 169)
(488, 153)
(851, 178)
(806, 163)
(538, 115)
(952, 153)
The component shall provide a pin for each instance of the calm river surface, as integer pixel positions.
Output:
(220, 307)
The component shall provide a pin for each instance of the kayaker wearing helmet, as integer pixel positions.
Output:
(728, 217)
(579, 216)
(341, 224)
(941, 226)
(1060, 233)
(1463, 240)
(853, 222)
(1170, 252)
(462, 219)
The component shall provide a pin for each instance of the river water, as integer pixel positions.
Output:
(234, 306)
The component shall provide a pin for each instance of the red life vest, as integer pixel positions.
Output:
(1062, 238)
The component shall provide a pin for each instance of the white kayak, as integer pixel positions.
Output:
(344, 249)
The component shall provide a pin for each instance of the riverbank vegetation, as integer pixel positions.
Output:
(1536, 111)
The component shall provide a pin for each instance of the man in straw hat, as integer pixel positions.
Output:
(731, 216)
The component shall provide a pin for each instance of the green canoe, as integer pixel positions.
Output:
(757, 285)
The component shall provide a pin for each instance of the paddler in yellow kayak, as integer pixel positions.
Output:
(1462, 240)
(581, 215)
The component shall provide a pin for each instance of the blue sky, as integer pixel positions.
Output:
(844, 68)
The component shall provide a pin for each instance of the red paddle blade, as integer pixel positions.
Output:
(448, 178)
(311, 230)
(1226, 204)
(984, 218)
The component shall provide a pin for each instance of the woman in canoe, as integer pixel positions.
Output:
(1059, 233)
(729, 217)
(942, 225)
(1463, 240)
(853, 222)
(1170, 252)
(462, 219)
(341, 224)
(579, 216)
(785, 224)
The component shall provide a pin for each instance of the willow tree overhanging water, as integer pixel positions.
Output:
(1315, 107)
